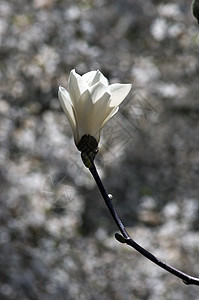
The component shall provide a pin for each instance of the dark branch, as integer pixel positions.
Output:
(125, 237)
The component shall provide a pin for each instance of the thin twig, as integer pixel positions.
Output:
(125, 237)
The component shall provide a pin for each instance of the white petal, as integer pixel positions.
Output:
(97, 91)
(118, 93)
(88, 77)
(84, 112)
(65, 93)
(77, 86)
(110, 115)
(99, 114)
(93, 77)
(65, 102)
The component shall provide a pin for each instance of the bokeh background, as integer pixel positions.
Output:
(56, 235)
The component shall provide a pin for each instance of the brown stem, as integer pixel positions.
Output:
(125, 237)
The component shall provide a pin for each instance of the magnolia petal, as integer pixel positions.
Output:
(88, 77)
(93, 77)
(118, 93)
(99, 113)
(100, 77)
(65, 102)
(64, 92)
(97, 91)
(111, 114)
(77, 86)
(84, 112)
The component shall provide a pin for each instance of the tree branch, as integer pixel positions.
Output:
(125, 237)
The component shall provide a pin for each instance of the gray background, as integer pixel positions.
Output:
(56, 236)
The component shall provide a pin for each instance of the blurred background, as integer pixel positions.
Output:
(56, 235)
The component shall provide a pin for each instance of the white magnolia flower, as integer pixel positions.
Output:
(90, 102)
